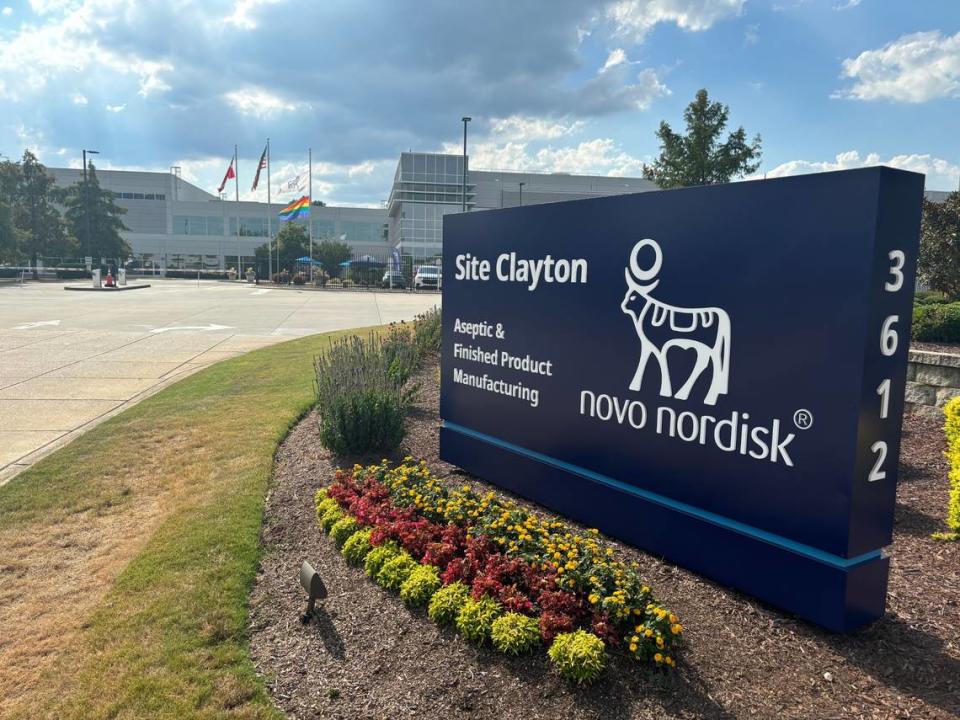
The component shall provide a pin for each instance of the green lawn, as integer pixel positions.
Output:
(168, 639)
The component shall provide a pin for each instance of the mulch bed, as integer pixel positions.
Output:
(368, 656)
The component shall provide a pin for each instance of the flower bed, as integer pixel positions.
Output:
(496, 570)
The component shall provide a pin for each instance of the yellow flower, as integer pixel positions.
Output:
(669, 660)
(594, 598)
(673, 618)
(633, 647)
(660, 642)
(634, 639)
(676, 628)
(648, 632)
(658, 657)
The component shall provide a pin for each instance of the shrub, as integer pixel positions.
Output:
(446, 603)
(300, 279)
(952, 429)
(400, 352)
(361, 405)
(378, 557)
(930, 297)
(936, 322)
(420, 586)
(426, 329)
(357, 546)
(515, 634)
(331, 517)
(475, 619)
(578, 656)
(396, 571)
(342, 530)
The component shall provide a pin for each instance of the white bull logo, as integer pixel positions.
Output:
(662, 328)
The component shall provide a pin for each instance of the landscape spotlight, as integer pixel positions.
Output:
(316, 590)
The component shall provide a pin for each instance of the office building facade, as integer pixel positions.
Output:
(177, 225)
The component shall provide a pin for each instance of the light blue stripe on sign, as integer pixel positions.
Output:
(713, 518)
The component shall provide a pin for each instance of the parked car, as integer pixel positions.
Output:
(428, 277)
(393, 278)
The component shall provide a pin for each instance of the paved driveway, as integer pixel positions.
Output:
(71, 359)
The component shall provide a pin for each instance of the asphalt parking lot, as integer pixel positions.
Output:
(68, 360)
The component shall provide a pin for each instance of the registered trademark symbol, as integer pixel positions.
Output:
(803, 419)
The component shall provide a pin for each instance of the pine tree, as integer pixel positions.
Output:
(93, 218)
(699, 158)
(34, 215)
(9, 237)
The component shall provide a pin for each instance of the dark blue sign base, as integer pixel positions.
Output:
(838, 593)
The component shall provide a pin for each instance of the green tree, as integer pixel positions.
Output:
(939, 261)
(331, 253)
(699, 158)
(9, 236)
(94, 218)
(34, 215)
(292, 241)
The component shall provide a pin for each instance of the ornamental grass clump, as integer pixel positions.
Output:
(578, 656)
(378, 557)
(475, 619)
(395, 571)
(426, 328)
(420, 586)
(446, 603)
(362, 400)
(356, 548)
(515, 634)
(342, 529)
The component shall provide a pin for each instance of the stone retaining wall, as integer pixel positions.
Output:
(932, 379)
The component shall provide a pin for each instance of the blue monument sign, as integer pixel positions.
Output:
(714, 374)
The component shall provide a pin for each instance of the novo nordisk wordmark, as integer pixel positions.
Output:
(715, 374)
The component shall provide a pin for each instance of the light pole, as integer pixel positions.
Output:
(86, 203)
(521, 193)
(464, 193)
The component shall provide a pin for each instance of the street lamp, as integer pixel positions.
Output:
(521, 193)
(86, 203)
(465, 120)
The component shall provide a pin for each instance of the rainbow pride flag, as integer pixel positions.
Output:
(295, 210)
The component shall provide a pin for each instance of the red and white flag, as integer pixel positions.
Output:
(261, 166)
(230, 174)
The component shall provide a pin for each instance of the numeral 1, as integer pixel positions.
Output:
(884, 392)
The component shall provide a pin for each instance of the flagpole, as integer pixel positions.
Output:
(269, 222)
(310, 207)
(236, 188)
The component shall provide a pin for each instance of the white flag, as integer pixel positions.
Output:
(296, 184)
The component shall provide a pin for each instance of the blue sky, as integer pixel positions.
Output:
(565, 85)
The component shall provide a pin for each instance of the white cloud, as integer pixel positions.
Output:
(7, 11)
(115, 108)
(940, 173)
(847, 5)
(521, 128)
(600, 156)
(616, 57)
(244, 12)
(79, 99)
(751, 34)
(914, 68)
(260, 103)
(68, 44)
(635, 18)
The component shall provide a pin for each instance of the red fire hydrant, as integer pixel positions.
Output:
(109, 282)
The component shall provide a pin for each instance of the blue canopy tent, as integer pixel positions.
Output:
(364, 269)
(305, 260)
